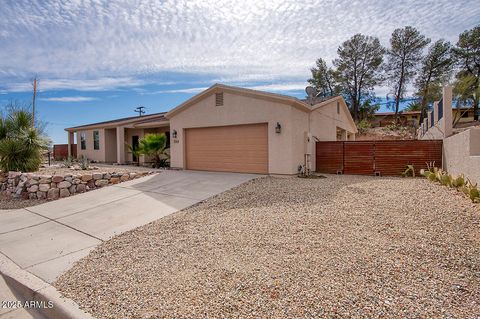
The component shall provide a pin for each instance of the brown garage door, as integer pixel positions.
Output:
(239, 148)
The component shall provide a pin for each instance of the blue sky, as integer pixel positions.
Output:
(98, 60)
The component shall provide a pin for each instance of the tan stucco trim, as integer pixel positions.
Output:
(239, 91)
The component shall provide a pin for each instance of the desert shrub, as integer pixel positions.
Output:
(363, 126)
(21, 144)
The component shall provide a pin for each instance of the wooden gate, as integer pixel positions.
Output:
(387, 158)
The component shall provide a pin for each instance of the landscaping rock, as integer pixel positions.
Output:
(43, 187)
(45, 180)
(53, 193)
(12, 175)
(76, 181)
(97, 176)
(57, 178)
(53, 185)
(86, 177)
(41, 195)
(101, 182)
(32, 196)
(125, 177)
(64, 184)
(133, 175)
(64, 192)
(114, 180)
(107, 176)
(31, 182)
(81, 188)
(69, 179)
(33, 189)
(73, 189)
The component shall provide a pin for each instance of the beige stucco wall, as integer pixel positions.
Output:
(325, 120)
(89, 152)
(461, 154)
(285, 150)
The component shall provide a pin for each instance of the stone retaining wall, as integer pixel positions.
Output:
(33, 186)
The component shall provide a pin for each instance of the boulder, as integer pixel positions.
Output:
(41, 195)
(91, 184)
(76, 181)
(73, 189)
(64, 192)
(81, 188)
(133, 175)
(43, 187)
(101, 182)
(31, 182)
(64, 184)
(33, 189)
(13, 174)
(125, 177)
(107, 176)
(86, 177)
(68, 179)
(114, 180)
(53, 193)
(57, 178)
(97, 176)
(45, 180)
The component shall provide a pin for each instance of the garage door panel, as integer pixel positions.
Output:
(241, 148)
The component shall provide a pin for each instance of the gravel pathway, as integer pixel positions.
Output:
(340, 247)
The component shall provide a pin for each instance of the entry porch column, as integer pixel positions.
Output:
(70, 143)
(120, 145)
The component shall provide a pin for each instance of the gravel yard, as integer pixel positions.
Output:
(340, 247)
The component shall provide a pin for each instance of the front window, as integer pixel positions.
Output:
(83, 142)
(96, 140)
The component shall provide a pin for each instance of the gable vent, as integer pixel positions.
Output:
(219, 99)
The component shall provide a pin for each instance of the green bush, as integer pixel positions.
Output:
(21, 144)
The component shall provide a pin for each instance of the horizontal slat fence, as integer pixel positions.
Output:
(388, 158)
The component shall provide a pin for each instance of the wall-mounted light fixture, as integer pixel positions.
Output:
(174, 134)
(278, 128)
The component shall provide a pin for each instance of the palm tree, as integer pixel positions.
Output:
(155, 145)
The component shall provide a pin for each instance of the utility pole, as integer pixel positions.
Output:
(33, 99)
(140, 110)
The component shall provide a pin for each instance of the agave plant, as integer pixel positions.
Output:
(409, 171)
(446, 180)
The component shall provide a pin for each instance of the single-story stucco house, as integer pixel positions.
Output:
(226, 128)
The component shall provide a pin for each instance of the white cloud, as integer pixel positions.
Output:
(69, 99)
(254, 40)
(100, 84)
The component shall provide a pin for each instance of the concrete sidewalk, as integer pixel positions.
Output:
(47, 239)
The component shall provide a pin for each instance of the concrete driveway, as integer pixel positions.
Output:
(47, 239)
